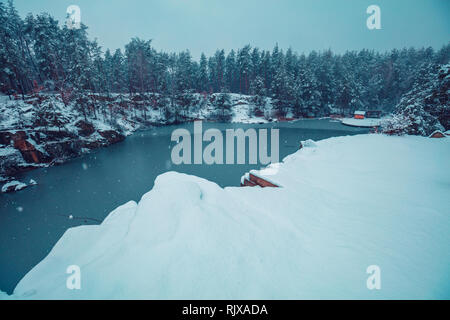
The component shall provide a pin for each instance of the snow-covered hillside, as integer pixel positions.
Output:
(344, 204)
(119, 111)
(41, 130)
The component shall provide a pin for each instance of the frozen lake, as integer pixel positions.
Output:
(88, 188)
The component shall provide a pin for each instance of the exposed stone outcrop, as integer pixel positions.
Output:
(29, 152)
(13, 186)
(10, 159)
(85, 129)
(112, 136)
(25, 150)
(63, 149)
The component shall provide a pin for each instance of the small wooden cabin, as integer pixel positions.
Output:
(437, 134)
(360, 114)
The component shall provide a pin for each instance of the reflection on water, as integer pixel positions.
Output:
(85, 190)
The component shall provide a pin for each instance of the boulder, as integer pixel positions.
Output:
(63, 149)
(85, 129)
(13, 186)
(92, 144)
(10, 161)
(112, 136)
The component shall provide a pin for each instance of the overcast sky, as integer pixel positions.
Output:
(304, 25)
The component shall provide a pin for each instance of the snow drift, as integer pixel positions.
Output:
(346, 203)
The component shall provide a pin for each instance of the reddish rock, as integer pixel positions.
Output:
(261, 182)
(28, 151)
(19, 135)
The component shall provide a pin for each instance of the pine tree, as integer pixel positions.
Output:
(37, 54)
(223, 105)
(203, 81)
(244, 67)
(118, 70)
(425, 108)
(138, 55)
(219, 72)
(231, 72)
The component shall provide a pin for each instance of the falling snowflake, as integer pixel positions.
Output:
(71, 217)
(20, 209)
(168, 164)
(85, 166)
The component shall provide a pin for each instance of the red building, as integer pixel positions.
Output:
(360, 114)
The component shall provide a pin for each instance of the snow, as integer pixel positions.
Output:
(20, 186)
(436, 131)
(242, 109)
(32, 182)
(246, 176)
(308, 144)
(7, 151)
(241, 115)
(9, 109)
(365, 123)
(4, 296)
(17, 184)
(346, 203)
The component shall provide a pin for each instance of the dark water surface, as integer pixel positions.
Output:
(88, 188)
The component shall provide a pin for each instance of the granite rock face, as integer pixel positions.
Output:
(29, 149)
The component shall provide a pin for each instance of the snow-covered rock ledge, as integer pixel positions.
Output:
(346, 203)
(362, 123)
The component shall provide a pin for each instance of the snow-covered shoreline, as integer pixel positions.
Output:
(362, 123)
(29, 140)
(343, 205)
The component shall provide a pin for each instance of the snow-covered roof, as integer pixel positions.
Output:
(360, 112)
(436, 131)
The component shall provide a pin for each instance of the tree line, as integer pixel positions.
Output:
(38, 54)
